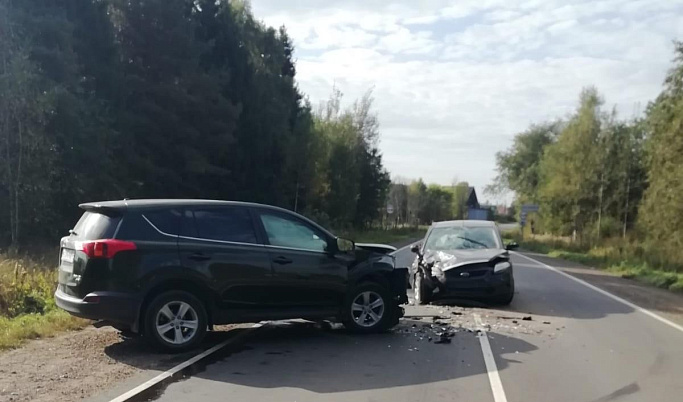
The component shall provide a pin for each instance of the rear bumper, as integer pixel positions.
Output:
(111, 306)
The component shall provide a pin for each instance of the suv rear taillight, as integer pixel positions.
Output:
(106, 248)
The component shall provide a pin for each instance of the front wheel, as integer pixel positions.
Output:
(507, 298)
(422, 294)
(369, 308)
(175, 321)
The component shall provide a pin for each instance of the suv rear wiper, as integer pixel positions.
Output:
(473, 241)
(73, 232)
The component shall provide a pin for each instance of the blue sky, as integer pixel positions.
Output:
(455, 80)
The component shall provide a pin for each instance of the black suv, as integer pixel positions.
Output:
(170, 269)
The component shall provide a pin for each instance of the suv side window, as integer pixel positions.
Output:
(287, 232)
(226, 224)
(167, 220)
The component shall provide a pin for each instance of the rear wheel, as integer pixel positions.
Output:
(175, 321)
(369, 308)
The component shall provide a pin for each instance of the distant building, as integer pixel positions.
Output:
(474, 210)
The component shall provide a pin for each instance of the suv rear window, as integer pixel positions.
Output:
(95, 225)
(226, 224)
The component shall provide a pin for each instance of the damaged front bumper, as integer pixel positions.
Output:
(476, 281)
(400, 283)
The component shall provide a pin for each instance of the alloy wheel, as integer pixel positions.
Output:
(177, 322)
(367, 309)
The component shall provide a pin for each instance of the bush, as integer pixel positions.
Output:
(626, 257)
(677, 286)
(26, 286)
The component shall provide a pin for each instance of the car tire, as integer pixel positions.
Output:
(175, 321)
(507, 298)
(422, 294)
(368, 308)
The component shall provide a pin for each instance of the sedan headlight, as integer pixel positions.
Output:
(501, 266)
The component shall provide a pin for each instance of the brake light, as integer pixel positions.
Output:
(106, 248)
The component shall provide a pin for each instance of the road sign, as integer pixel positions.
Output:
(390, 209)
(529, 208)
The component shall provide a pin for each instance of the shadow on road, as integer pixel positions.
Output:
(138, 353)
(304, 356)
(542, 291)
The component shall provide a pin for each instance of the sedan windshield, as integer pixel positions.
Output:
(460, 238)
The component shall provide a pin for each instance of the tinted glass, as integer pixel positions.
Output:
(459, 238)
(287, 232)
(227, 224)
(94, 225)
(168, 221)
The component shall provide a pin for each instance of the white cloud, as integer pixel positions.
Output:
(405, 41)
(455, 80)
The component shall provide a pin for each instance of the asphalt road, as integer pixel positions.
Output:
(580, 345)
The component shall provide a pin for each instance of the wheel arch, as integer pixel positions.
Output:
(198, 290)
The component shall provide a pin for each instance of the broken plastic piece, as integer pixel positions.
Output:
(443, 339)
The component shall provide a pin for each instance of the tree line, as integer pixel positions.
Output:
(418, 203)
(596, 176)
(111, 99)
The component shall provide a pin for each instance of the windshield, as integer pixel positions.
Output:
(462, 238)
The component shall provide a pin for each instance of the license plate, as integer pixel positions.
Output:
(67, 261)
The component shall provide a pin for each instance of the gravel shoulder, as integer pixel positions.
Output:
(77, 365)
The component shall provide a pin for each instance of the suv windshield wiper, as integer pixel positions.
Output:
(473, 241)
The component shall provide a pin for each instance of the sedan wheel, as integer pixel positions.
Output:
(422, 295)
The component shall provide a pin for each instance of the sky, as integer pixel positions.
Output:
(455, 80)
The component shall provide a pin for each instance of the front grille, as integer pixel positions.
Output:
(474, 271)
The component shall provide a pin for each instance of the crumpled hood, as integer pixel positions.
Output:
(450, 259)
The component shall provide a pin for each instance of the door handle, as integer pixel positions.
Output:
(282, 260)
(199, 257)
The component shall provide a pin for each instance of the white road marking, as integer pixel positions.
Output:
(490, 361)
(168, 373)
(608, 294)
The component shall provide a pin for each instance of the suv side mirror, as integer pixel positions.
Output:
(415, 248)
(345, 245)
(512, 246)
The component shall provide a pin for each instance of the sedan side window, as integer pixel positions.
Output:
(285, 232)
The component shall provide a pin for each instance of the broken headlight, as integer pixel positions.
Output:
(501, 266)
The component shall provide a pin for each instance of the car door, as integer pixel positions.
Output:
(307, 273)
(223, 244)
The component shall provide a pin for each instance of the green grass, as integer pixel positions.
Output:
(390, 236)
(27, 307)
(17, 330)
(622, 257)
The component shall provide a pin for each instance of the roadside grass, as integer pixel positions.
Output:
(15, 331)
(626, 258)
(27, 307)
(388, 236)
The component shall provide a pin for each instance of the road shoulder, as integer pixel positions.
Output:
(667, 304)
